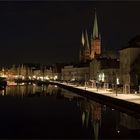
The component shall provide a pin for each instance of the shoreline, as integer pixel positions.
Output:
(127, 103)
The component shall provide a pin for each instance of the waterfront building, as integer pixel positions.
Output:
(57, 70)
(105, 70)
(75, 73)
(130, 64)
(3, 72)
(47, 72)
(12, 73)
(43, 73)
(24, 71)
(53, 72)
(32, 72)
(92, 50)
(21, 71)
(36, 73)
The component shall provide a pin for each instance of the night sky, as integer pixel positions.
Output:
(49, 32)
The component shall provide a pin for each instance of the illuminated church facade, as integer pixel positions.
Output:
(90, 49)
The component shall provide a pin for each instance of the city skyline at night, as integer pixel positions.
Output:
(69, 69)
(50, 32)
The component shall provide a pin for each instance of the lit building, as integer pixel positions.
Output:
(104, 70)
(92, 50)
(75, 73)
(130, 64)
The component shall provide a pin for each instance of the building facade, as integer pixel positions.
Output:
(71, 73)
(92, 50)
(130, 63)
(105, 70)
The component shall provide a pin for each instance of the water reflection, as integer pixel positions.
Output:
(3, 92)
(95, 117)
(91, 114)
(94, 120)
(85, 111)
(129, 122)
(27, 90)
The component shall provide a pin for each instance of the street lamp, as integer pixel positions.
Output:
(117, 83)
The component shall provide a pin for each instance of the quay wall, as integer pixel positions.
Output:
(120, 104)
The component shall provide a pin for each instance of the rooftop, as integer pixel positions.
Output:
(133, 43)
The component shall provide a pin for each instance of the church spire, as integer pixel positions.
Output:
(95, 27)
(87, 41)
(83, 39)
(95, 40)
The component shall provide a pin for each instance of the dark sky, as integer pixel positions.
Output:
(49, 32)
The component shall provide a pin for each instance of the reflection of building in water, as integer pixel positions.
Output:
(32, 90)
(19, 90)
(85, 109)
(68, 94)
(3, 92)
(52, 89)
(95, 117)
(11, 90)
(23, 90)
(91, 113)
(129, 122)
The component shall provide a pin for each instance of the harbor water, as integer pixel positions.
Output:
(50, 112)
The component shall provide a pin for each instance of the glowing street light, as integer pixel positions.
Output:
(117, 83)
(55, 77)
(46, 78)
(34, 77)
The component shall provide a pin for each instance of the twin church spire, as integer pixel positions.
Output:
(95, 27)
(85, 40)
(91, 48)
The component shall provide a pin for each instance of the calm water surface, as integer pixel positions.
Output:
(51, 112)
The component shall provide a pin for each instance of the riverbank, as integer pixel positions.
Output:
(129, 103)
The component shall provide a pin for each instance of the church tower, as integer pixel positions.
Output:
(95, 40)
(82, 48)
(85, 49)
(92, 50)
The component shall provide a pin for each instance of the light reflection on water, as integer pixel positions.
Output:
(66, 115)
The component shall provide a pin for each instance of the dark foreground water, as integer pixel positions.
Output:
(54, 113)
